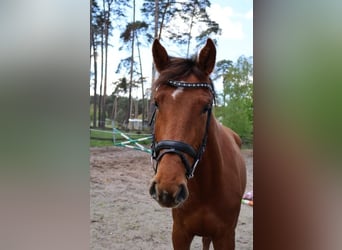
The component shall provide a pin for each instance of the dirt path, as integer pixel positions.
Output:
(124, 216)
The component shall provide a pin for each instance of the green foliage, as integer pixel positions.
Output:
(132, 28)
(120, 86)
(237, 109)
(171, 12)
(237, 116)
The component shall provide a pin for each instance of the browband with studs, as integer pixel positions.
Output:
(192, 85)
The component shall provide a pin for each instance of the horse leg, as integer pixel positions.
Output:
(225, 242)
(206, 243)
(180, 239)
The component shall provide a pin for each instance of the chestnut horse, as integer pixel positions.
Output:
(186, 136)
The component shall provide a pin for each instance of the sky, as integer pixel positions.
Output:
(235, 18)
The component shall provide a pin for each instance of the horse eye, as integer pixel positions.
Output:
(156, 104)
(206, 108)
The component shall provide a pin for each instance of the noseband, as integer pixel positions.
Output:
(161, 148)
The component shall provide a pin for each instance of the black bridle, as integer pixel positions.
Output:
(178, 147)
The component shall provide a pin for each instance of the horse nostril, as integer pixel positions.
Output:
(153, 190)
(182, 194)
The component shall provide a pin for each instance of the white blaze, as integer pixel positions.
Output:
(177, 92)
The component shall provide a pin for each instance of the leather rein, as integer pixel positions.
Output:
(163, 147)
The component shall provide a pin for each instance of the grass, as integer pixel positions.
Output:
(103, 138)
(98, 143)
(106, 138)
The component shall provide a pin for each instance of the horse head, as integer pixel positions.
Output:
(183, 96)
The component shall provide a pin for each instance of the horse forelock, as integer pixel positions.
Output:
(180, 69)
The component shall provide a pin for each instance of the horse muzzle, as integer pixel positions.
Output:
(169, 199)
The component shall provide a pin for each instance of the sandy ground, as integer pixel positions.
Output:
(124, 216)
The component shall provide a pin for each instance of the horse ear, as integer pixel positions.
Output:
(207, 57)
(160, 56)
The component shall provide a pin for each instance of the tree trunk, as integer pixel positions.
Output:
(190, 30)
(167, 5)
(142, 86)
(102, 67)
(107, 27)
(131, 70)
(104, 96)
(93, 42)
(156, 18)
(136, 108)
(114, 109)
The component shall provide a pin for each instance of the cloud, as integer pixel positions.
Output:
(228, 20)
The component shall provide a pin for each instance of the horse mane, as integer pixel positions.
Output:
(180, 68)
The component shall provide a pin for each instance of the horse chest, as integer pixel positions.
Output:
(203, 221)
(206, 212)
